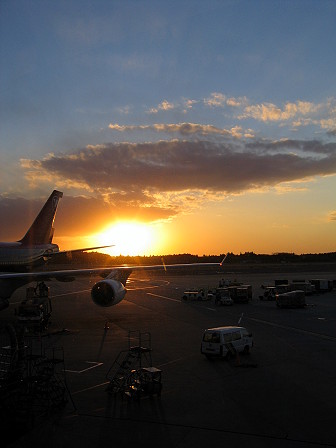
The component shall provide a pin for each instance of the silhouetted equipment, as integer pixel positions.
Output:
(35, 311)
(132, 372)
(43, 386)
(32, 376)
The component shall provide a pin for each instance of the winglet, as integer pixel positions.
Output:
(222, 262)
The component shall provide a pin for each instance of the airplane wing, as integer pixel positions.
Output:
(71, 274)
(107, 292)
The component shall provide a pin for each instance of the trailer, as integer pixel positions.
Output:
(322, 285)
(222, 297)
(292, 299)
(307, 287)
(239, 294)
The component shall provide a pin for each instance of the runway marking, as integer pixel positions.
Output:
(141, 288)
(163, 297)
(210, 309)
(69, 293)
(299, 330)
(175, 360)
(175, 300)
(96, 364)
(90, 388)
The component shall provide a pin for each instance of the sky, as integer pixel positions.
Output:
(171, 127)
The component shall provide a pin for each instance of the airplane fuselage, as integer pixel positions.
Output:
(15, 256)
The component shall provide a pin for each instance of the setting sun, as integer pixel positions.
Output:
(128, 238)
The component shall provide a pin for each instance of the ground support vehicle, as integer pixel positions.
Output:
(292, 299)
(226, 341)
(144, 382)
(239, 294)
(302, 285)
(222, 297)
(269, 293)
(196, 294)
(35, 311)
(322, 285)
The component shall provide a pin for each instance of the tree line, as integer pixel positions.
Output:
(99, 259)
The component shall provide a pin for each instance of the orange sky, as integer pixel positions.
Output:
(262, 222)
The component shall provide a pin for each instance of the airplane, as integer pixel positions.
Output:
(36, 247)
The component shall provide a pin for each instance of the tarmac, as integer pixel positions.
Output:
(281, 395)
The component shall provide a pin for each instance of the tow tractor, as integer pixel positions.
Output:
(269, 293)
(196, 294)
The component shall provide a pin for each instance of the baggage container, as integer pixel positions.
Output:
(292, 299)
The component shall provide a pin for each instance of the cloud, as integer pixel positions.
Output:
(270, 112)
(164, 105)
(295, 114)
(332, 216)
(185, 129)
(316, 148)
(181, 128)
(177, 166)
(159, 180)
(217, 99)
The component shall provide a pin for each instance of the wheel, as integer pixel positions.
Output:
(246, 350)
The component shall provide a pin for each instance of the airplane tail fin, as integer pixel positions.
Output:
(42, 231)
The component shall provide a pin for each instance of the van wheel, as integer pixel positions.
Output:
(246, 350)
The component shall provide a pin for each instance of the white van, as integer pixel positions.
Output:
(226, 341)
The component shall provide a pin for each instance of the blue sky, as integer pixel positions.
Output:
(165, 109)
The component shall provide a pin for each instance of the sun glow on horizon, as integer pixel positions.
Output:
(129, 238)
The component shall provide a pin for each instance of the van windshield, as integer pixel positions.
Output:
(211, 337)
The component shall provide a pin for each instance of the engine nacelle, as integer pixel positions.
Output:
(108, 292)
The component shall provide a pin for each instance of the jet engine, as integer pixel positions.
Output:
(108, 292)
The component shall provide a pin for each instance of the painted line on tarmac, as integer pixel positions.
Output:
(69, 293)
(96, 364)
(299, 330)
(163, 297)
(210, 309)
(176, 360)
(90, 388)
(175, 300)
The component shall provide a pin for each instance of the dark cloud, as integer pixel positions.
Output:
(152, 181)
(311, 146)
(175, 166)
